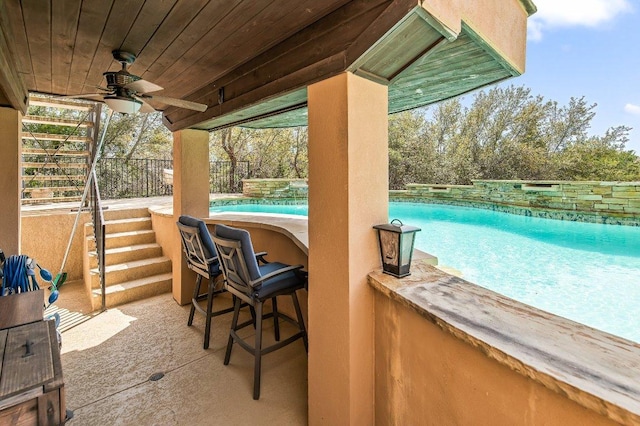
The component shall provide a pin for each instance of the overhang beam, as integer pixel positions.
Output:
(13, 91)
(317, 52)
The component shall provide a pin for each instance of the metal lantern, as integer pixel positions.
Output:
(396, 247)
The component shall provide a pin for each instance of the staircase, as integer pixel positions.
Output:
(57, 140)
(135, 266)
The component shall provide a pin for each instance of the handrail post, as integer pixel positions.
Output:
(99, 229)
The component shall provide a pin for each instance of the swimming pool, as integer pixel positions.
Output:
(586, 272)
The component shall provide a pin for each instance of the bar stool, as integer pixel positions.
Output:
(254, 284)
(201, 257)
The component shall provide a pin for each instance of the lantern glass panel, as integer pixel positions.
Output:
(389, 245)
(407, 247)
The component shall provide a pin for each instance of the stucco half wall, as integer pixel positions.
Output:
(45, 237)
(425, 375)
(451, 352)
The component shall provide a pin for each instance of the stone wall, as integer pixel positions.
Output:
(588, 201)
(275, 188)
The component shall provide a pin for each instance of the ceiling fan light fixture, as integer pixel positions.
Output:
(122, 105)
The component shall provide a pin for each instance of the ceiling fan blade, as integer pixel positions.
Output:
(146, 108)
(181, 103)
(143, 86)
(91, 96)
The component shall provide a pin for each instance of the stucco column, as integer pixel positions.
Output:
(10, 179)
(348, 194)
(190, 196)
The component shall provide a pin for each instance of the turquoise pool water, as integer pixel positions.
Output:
(586, 272)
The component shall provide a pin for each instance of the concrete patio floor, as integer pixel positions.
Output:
(108, 359)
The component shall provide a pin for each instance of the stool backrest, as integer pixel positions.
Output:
(237, 257)
(198, 248)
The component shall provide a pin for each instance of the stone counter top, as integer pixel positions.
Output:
(294, 227)
(595, 369)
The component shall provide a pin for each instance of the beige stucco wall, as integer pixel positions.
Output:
(348, 170)
(183, 281)
(190, 197)
(45, 238)
(501, 23)
(10, 179)
(426, 376)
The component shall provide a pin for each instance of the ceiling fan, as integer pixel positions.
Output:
(127, 93)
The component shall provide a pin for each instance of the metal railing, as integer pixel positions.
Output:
(224, 178)
(139, 178)
(95, 204)
(133, 178)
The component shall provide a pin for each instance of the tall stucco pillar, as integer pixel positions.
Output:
(190, 197)
(10, 179)
(348, 194)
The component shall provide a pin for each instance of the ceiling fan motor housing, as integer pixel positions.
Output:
(119, 78)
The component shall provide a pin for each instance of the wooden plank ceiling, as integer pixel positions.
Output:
(249, 61)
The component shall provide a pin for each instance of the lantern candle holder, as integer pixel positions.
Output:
(396, 247)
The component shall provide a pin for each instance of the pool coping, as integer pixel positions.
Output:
(595, 369)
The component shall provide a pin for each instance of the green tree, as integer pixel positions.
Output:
(505, 133)
(408, 156)
(273, 153)
(600, 158)
(137, 136)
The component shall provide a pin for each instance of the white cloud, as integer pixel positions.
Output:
(570, 13)
(632, 109)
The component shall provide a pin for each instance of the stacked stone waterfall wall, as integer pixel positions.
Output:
(274, 188)
(588, 201)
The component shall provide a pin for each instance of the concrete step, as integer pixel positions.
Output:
(126, 214)
(129, 238)
(126, 254)
(127, 225)
(129, 291)
(135, 267)
(133, 270)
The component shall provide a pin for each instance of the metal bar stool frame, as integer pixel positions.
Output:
(205, 266)
(254, 293)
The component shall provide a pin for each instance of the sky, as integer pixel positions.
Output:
(588, 48)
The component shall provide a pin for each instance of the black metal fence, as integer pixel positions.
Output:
(133, 178)
(138, 178)
(224, 178)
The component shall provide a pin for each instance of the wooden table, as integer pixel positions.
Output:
(22, 308)
(31, 382)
